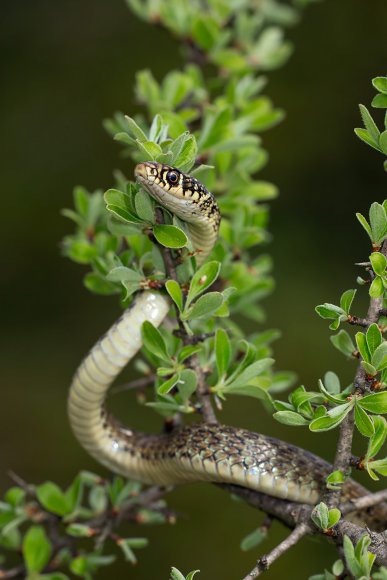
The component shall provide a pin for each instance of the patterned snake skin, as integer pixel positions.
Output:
(201, 452)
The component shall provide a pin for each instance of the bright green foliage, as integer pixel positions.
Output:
(371, 133)
(177, 575)
(325, 518)
(358, 559)
(81, 511)
(253, 539)
(376, 227)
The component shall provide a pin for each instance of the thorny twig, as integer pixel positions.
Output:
(265, 562)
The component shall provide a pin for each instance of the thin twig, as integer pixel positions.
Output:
(356, 321)
(17, 572)
(266, 561)
(364, 502)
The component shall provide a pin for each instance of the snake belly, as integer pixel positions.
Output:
(201, 452)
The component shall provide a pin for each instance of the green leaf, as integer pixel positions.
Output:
(332, 382)
(144, 206)
(335, 480)
(119, 204)
(187, 384)
(205, 306)
(347, 299)
(369, 369)
(149, 149)
(134, 129)
(99, 285)
(378, 221)
(380, 84)
(15, 496)
(379, 102)
(364, 422)
(380, 466)
(378, 438)
(378, 262)
(79, 531)
(170, 236)
(168, 385)
(320, 516)
(383, 142)
(369, 124)
(123, 274)
(333, 418)
(376, 289)
(364, 136)
(126, 545)
(154, 342)
(205, 31)
(379, 358)
(290, 418)
(36, 549)
(223, 351)
(187, 156)
(375, 403)
(374, 338)
(176, 575)
(188, 351)
(350, 558)
(250, 372)
(365, 224)
(327, 394)
(343, 342)
(174, 290)
(191, 574)
(329, 311)
(52, 498)
(253, 539)
(333, 517)
(202, 279)
(362, 346)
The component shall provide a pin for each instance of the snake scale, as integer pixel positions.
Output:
(200, 452)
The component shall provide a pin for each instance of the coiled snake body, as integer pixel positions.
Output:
(199, 452)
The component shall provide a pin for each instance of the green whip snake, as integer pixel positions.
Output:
(200, 452)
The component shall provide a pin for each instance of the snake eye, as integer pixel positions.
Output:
(172, 177)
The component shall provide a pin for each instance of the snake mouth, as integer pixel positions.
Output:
(140, 171)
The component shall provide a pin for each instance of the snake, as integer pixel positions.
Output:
(201, 451)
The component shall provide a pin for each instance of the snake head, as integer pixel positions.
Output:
(179, 192)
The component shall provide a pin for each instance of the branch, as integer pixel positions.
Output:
(202, 392)
(266, 561)
(364, 502)
(343, 455)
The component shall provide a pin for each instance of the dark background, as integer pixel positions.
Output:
(64, 67)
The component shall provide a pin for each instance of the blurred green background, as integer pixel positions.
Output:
(65, 66)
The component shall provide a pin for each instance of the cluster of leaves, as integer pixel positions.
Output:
(177, 575)
(213, 134)
(358, 562)
(254, 42)
(371, 133)
(59, 531)
(326, 408)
